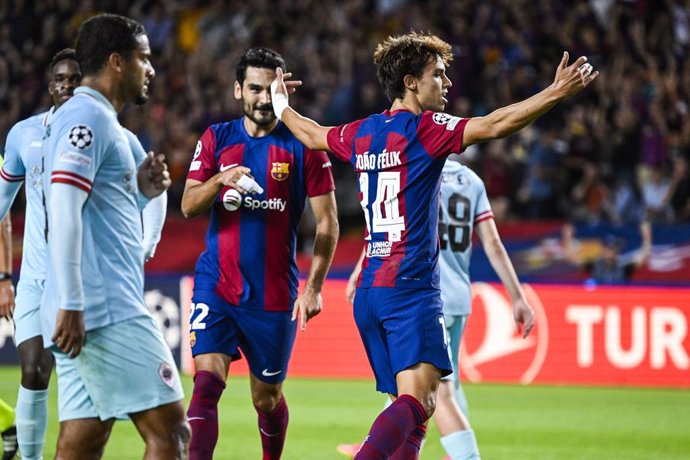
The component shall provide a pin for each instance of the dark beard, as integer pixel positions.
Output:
(261, 121)
(141, 99)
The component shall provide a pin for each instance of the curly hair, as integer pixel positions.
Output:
(407, 55)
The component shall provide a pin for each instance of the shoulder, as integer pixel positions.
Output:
(439, 119)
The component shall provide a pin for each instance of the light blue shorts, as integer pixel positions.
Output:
(27, 303)
(455, 327)
(123, 368)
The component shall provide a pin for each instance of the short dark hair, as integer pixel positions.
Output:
(67, 54)
(407, 55)
(264, 58)
(102, 35)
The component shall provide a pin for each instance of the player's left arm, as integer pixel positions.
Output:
(568, 81)
(498, 257)
(153, 218)
(645, 251)
(309, 132)
(6, 286)
(309, 302)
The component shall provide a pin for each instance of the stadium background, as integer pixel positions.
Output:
(614, 154)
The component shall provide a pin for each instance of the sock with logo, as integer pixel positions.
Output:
(413, 444)
(203, 414)
(461, 445)
(392, 428)
(273, 427)
(32, 422)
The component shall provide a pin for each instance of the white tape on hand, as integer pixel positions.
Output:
(279, 100)
(249, 184)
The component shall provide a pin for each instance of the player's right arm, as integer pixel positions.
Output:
(309, 132)
(65, 243)
(569, 80)
(199, 196)
(498, 257)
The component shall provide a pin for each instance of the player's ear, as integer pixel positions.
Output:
(238, 90)
(410, 82)
(116, 61)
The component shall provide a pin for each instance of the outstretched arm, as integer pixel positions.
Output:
(496, 252)
(569, 80)
(646, 249)
(309, 132)
(309, 304)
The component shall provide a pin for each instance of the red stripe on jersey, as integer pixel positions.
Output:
(280, 172)
(230, 277)
(67, 177)
(387, 273)
(10, 177)
(483, 216)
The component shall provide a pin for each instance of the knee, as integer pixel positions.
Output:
(85, 448)
(36, 369)
(429, 404)
(267, 399)
(172, 443)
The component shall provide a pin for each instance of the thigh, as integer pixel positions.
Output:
(266, 340)
(27, 318)
(162, 422)
(211, 328)
(415, 329)
(373, 337)
(216, 363)
(83, 439)
(127, 367)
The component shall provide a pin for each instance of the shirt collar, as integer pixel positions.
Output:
(96, 95)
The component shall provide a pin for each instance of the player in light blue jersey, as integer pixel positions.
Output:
(111, 357)
(464, 208)
(23, 164)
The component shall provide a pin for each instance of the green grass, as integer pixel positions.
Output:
(511, 422)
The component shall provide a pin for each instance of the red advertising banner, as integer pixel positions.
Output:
(604, 336)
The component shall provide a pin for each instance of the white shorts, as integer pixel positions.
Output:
(123, 368)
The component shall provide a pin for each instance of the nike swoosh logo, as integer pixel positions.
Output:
(268, 434)
(189, 419)
(225, 168)
(265, 373)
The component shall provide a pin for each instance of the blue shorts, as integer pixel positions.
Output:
(401, 328)
(455, 327)
(27, 317)
(264, 337)
(123, 368)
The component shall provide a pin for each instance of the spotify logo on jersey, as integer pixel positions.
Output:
(232, 200)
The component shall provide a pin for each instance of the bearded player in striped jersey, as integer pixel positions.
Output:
(255, 176)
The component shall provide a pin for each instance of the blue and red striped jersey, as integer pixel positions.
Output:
(250, 256)
(398, 157)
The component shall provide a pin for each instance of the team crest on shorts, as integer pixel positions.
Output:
(165, 370)
(192, 338)
(280, 171)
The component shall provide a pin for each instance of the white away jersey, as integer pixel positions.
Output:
(86, 147)
(463, 205)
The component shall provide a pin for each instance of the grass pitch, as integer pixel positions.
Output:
(511, 422)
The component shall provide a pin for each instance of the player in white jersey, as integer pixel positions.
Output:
(112, 360)
(23, 164)
(464, 207)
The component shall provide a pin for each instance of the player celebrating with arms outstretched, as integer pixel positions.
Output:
(399, 155)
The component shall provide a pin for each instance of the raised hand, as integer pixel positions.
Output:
(281, 88)
(571, 79)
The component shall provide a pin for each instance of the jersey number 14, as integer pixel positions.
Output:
(385, 215)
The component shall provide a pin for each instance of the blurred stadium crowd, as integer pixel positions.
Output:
(616, 153)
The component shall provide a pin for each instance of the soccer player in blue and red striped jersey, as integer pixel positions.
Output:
(398, 156)
(246, 282)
